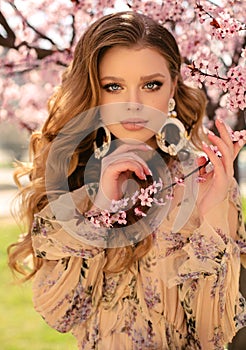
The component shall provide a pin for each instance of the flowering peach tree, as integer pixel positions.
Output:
(38, 37)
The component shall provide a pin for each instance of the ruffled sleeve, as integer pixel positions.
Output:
(69, 282)
(206, 267)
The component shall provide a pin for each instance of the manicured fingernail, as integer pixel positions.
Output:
(204, 144)
(148, 147)
(210, 132)
(143, 175)
(219, 120)
(209, 167)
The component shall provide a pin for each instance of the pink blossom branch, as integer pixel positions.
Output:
(9, 42)
(195, 70)
(214, 23)
(41, 53)
(40, 34)
(13, 68)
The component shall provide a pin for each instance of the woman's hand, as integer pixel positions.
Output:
(219, 180)
(117, 169)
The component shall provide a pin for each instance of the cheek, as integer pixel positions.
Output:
(111, 113)
(114, 129)
(103, 98)
(107, 97)
(159, 102)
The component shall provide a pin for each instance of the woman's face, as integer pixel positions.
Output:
(135, 89)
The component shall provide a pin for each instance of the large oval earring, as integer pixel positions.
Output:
(172, 139)
(102, 142)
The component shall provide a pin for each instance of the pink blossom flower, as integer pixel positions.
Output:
(159, 201)
(144, 198)
(122, 217)
(116, 205)
(95, 221)
(169, 195)
(200, 179)
(179, 181)
(105, 218)
(135, 197)
(239, 136)
(139, 212)
(152, 189)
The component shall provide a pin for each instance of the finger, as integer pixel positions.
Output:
(202, 162)
(123, 157)
(237, 148)
(135, 157)
(227, 153)
(118, 167)
(130, 147)
(224, 132)
(221, 167)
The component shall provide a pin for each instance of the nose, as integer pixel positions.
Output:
(134, 106)
(133, 100)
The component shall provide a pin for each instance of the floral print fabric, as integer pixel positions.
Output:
(183, 294)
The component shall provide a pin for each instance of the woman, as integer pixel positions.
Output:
(115, 259)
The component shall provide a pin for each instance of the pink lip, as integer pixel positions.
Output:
(133, 124)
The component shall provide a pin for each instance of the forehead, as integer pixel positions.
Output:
(120, 59)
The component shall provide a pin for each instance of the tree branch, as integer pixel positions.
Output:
(41, 53)
(195, 70)
(73, 31)
(10, 40)
(40, 34)
(19, 69)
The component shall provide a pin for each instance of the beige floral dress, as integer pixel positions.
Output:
(184, 294)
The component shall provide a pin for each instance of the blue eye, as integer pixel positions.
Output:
(153, 85)
(112, 87)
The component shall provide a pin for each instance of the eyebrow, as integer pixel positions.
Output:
(143, 78)
(152, 76)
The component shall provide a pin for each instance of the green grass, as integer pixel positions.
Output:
(21, 328)
(244, 207)
(8, 165)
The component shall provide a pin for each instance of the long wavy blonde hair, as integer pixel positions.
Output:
(79, 92)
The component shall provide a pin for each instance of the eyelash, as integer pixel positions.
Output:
(109, 87)
(154, 82)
